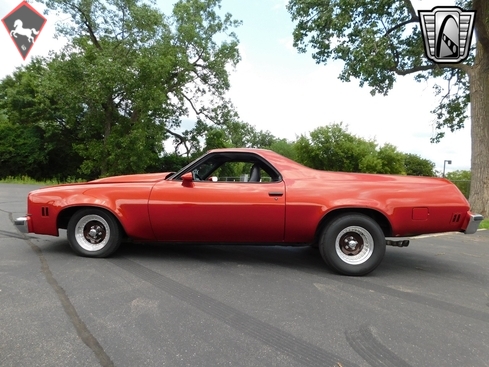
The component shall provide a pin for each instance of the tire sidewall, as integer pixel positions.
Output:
(328, 244)
(114, 236)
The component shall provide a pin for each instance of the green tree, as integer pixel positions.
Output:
(234, 134)
(414, 165)
(333, 148)
(261, 139)
(21, 151)
(34, 124)
(216, 138)
(244, 135)
(392, 160)
(461, 179)
(239, 133)
(459, 175)
(285, 148)
(131, 74)
(380, 40)
(3, 117)
(172, 163)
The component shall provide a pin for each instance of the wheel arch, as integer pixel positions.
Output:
(376, 215)
(65, 215)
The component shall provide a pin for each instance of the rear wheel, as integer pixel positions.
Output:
(352, 244)
(93, 232)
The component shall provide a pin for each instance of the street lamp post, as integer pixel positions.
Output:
(444, 162)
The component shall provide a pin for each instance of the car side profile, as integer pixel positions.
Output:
(252, 196)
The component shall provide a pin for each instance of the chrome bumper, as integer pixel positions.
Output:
(474, 221)
(21, 224)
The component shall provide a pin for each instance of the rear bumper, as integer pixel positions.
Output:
(473, 225)
(22, 224)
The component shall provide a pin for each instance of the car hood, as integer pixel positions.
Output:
(145, 177)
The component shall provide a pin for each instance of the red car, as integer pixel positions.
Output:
(252, 196)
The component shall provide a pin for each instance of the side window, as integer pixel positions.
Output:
(202, 171)
(241, 172)
(233, 167)
(265, 177)
(233, 172)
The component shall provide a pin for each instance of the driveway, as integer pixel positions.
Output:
(169, 305)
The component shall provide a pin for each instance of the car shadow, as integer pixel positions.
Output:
(397, 261)
(300, 257)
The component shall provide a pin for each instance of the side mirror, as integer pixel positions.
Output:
(187, 179)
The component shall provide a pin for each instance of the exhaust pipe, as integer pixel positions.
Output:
(399, 243)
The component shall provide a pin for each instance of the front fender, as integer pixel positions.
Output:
(128, 203)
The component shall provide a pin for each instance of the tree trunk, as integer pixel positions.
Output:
(479, 107)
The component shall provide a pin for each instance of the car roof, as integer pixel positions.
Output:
(265, 153)
(249, 150)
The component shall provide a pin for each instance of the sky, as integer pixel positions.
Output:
(277, 89)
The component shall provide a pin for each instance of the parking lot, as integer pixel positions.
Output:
(169, 305)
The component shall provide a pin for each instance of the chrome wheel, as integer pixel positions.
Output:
(92, 232)
(354, 245)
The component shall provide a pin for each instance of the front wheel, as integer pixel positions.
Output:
(93, 232)
(352, 244)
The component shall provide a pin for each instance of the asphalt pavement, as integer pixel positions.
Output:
(187, 305)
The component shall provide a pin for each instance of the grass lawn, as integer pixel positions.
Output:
(484, 224)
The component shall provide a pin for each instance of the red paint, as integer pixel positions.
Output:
(152, 208)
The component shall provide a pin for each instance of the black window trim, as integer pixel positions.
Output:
(191, 166)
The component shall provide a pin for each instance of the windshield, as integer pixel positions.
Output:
(173, 175)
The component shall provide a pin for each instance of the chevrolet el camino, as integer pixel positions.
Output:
(252, 196)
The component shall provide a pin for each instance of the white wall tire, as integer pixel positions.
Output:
(352, 244)
(93, 232)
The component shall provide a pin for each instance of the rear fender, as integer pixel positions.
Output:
(376, 215)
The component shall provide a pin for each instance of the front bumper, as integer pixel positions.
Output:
(473, 225)
(22, 224)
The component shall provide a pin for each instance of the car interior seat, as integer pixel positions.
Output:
(255, 173)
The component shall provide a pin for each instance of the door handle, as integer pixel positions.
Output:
(275, 193)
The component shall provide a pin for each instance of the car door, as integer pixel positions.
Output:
(207, 211)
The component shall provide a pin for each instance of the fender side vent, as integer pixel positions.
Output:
(45, 211)
(455, 218)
